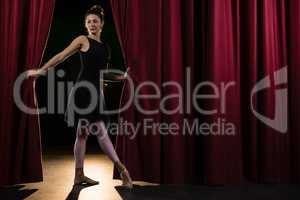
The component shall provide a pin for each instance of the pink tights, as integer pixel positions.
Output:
(103, 140)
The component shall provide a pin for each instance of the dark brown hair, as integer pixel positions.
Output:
(96, 10)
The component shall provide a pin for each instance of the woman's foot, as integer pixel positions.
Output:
(124, 174)
(81, 179)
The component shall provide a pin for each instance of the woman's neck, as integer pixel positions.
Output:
(95, 37)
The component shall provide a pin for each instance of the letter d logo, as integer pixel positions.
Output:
(280, 121)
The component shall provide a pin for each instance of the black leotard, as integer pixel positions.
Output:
(92, 61)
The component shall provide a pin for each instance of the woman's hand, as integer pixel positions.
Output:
(35, 73)
(124, 76)
(120, 77)
(115, 77)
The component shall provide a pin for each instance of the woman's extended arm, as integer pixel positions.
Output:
(58, 58)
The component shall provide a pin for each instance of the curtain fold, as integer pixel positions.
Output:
(24, 31)
(231, 43)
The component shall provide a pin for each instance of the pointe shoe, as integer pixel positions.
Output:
(126, 179)
(124, 174)
(83, 180)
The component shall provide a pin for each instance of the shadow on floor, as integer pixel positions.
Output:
(76, 189)
(190, 192)
(15, 192)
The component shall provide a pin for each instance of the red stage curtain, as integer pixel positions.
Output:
(157, 45)
(24, 31)
(229, 40)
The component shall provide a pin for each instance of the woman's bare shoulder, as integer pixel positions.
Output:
(80, 38)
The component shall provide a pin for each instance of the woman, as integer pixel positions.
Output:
(94, 56)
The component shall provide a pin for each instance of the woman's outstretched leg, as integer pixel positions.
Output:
(106, 145)
(79, 154)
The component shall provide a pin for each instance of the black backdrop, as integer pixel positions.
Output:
(68, 23)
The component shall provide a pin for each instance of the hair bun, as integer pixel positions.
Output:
(97, 9)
